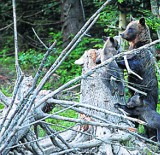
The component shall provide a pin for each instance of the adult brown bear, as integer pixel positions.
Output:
(137, 34)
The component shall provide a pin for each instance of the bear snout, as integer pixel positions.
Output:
(122, 35)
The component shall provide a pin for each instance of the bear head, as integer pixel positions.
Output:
(109, 49)
(135, 101)
(137, 33)
(110, 42)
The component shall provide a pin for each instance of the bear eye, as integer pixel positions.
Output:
(130, 29)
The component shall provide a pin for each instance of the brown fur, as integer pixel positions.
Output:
(137, 33)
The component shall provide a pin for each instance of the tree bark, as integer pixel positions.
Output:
(97, 94)
(155, 7)
(122, 21)
(72, 17)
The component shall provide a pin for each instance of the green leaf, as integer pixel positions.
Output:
(120, 1)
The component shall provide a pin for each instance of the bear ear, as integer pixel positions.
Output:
(111, 39)
(142, 21)
(104, 38)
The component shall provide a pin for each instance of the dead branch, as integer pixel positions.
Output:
(39, 39)
(6, 100)
(19, 72)
(91, 71)
(76, 104)
(83, 12)
(136, 90)
(26, 108)
(129, 70)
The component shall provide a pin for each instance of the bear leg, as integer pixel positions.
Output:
(152, 133)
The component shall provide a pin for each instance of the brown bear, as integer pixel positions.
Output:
(137, 106)
(137, 34)
(112, 75)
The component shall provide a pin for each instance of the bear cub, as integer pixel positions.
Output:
(138, 106)
(112, 74)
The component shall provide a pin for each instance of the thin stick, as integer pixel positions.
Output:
(81, 32)
(129, 70)
(136, 90)
(76, 104)
(83, 13)
(4, 99)
(39, 39)
(18, 69)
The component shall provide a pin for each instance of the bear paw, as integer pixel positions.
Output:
(117, 105)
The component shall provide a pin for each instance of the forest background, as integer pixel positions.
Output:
(60, 20)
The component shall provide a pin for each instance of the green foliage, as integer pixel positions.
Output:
(32, 59)
(158, 78)
(68, 70)
(5, 51)
(120, 1)
(1, 106)
(153, 22)
(98, 3)
(48, 8)
(158, 105)
(8, 62)
(141, 129)
(56, 36)
(6, 91)
(158, 46)
(106, 20)
(66, 113)
(149, 151)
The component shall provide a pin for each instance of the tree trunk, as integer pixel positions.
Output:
(97, 94)
(155, 7)
(72, 17)
(122, 21)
